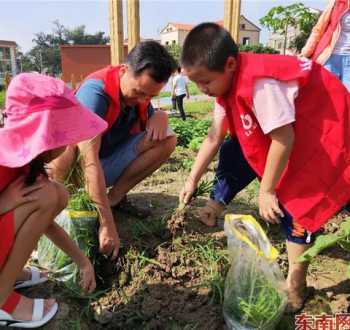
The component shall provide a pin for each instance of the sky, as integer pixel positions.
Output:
(20, 20)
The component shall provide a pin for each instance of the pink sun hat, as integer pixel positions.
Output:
(42, 114)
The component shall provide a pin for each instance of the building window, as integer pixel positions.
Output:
(242, 26)
(246, 41)
(5, 62)
(279, 46)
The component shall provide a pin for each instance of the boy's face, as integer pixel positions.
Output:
(212, 83)
(137, 89)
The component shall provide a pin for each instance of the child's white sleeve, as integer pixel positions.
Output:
(274, 103)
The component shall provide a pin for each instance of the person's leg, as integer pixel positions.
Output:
(146, 157)
(298, 241)
(31, 221)
(180, 101)
(173, 102)
(232, 175)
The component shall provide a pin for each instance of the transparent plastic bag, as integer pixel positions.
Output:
(255, 293)
(81, 226)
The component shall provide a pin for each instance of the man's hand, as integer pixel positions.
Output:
(187, 191)
(268, 207)
(109, 240)
(157, 126)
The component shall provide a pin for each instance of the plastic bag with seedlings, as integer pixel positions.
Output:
(255, 293)
(80, 221)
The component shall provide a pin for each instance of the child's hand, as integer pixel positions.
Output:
(187, 191)
(87, 276)
(268, 207)
(18, 193)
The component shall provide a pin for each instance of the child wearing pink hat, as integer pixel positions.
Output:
(42, 117)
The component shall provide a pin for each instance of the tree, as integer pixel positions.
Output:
(45, 56)
(279, 19)
(175, 51)
(259, 49)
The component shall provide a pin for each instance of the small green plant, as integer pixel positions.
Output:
(261, 304)
(190, 129)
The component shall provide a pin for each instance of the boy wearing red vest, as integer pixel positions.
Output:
(290, 118)
(137, 140)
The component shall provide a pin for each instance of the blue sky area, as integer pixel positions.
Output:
(20, 20)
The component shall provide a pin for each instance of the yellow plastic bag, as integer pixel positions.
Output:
(255, 295)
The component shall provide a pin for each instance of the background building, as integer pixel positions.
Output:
(7, 59)
(175, 33)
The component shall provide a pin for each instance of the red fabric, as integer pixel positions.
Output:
(339, 9)
(11, 302)
(315, 183)
(111, 79)
(7, 230)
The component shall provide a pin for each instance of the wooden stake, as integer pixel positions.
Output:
(116, 31)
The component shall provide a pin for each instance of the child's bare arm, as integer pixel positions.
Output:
(206, 153)
(62, 240)
(282, 140)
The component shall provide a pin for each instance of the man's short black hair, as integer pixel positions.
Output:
(153, 57)
(208, 45)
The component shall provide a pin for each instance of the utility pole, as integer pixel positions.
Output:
(232, 16)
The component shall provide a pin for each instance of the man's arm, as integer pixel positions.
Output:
(96, 187)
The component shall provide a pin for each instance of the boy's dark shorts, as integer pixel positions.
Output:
(234, 174)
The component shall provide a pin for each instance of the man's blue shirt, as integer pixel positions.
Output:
(91, 93)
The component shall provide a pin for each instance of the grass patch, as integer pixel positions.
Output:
(199, 107)
(2, 99)
(192, 88)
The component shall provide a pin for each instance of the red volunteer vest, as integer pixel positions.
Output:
(110, 76)
(339, 9)
(316, 181)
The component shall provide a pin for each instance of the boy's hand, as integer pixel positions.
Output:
(187, 191)
(268, 207)
(87, 276)
(157, 126)
(109, 240)
(17, 193)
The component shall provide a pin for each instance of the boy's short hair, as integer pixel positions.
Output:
(153, 57)
(208, 45)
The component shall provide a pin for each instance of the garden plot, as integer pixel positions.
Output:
(165, 280)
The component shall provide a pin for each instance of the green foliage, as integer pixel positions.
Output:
(188, 130)
(45, 55)
(280, 18)
(261, 304)
(175, 51)
(2, 99)
(259, 49)
(81, 201)
(305, 30)
(322, 242)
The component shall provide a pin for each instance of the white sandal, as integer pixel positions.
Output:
(35, 279)
(38, 318)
